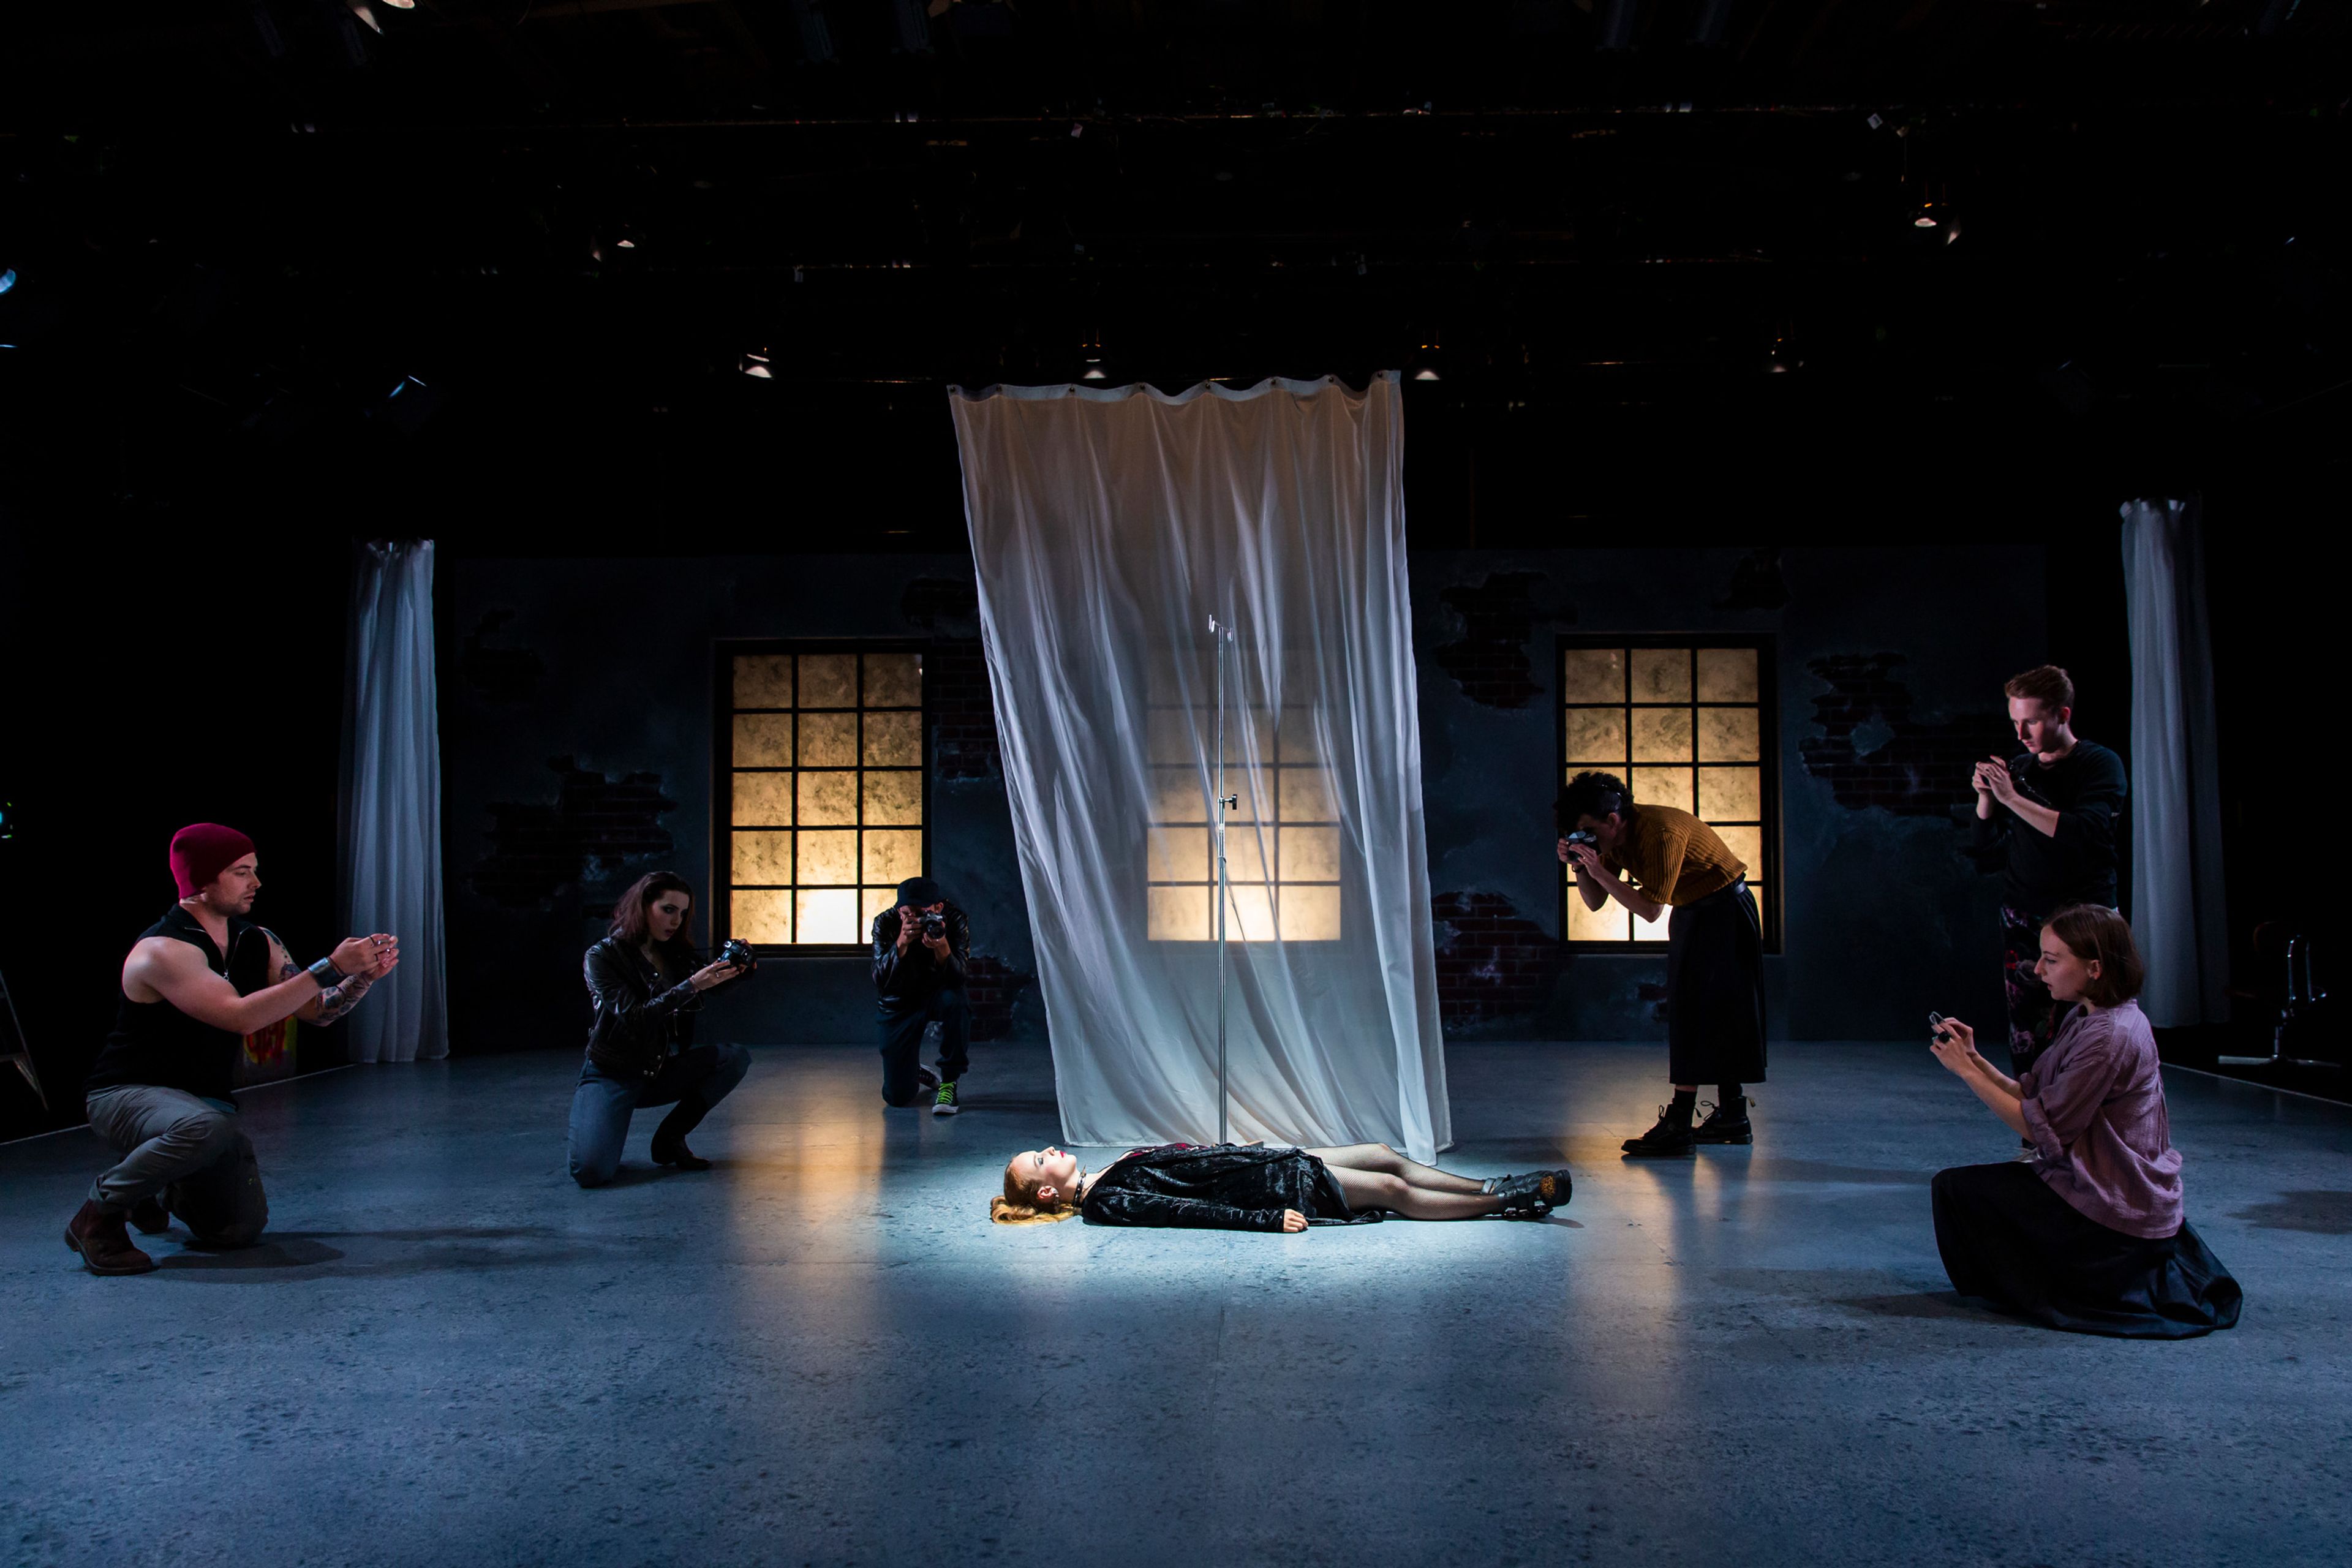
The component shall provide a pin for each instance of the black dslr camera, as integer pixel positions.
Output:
(737, 952)
(935, 924)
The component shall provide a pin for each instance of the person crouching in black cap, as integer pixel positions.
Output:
(920, 947)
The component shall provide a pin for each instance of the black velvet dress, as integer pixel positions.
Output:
(1216, 1186)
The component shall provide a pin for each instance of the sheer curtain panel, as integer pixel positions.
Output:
(2177, 911)
(1109, 527)
(392, 803)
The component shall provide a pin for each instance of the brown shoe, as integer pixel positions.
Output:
(105, 1246)
(149, 1217)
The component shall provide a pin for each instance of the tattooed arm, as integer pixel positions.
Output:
(335, 1000)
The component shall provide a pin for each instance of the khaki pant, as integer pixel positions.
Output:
(191, 1152)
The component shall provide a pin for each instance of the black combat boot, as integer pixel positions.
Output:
(1725, 1123)
(1671, 1136)
(669, 1139)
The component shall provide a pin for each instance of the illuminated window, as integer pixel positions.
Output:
(823, 790)
(1282, 837)
(1684, 724)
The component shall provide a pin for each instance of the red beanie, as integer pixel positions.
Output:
(202, 851)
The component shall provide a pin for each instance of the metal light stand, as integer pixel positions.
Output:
(2301, 997)
(1222, 635)
(14, 1049)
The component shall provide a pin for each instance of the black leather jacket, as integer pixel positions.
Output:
(639, 1021)
(903, 980)
(1216, 1186)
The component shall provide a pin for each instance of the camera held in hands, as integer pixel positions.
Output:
(1586, 838)
(737, 952)
(935, 925)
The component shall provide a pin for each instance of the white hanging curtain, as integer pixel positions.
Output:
(392, 801)
(2176, 913)
(1109, 527)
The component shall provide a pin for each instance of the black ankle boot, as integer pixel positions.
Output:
(1725, 1123)
(1533, 1195)
(1671, 1136)
(669, 1139)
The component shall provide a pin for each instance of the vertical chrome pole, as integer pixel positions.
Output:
(1219, 636)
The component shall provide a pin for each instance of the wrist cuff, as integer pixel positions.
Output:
(327, 975)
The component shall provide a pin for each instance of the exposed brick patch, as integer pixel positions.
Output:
(500, 674)
(1872, 750)
(942, 604)
(539, 851)
(990, 987)
(962, 710)
(1755, 583)
(1492, 960)
(1489, 660)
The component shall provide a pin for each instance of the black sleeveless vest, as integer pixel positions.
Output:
(155, 1043)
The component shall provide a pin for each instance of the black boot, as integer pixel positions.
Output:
(1671, 1136)
(1725, 1123)
(669, 1139)
(1533, 1195)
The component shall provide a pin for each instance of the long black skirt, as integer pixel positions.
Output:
(2008, 1240)
(1715, 989)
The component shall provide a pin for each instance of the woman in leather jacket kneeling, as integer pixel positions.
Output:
(641, 1048)
(1257, 1186)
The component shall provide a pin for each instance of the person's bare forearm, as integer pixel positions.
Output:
(2041, 818)
(1644, 907)
(337, 1000)
(1989, 1089)
(1593, 895)
(271, 1005)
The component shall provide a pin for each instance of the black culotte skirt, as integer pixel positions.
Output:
(2007, 1238)
(1715, 989)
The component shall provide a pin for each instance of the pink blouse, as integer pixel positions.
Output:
(2095, 1107)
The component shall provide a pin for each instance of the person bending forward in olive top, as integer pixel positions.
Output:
(1653, 858)
(1259, 1186)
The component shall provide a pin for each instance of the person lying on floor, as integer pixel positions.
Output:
(2089, 1237)
(1257, 1186)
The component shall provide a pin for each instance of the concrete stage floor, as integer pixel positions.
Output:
(822, 1353)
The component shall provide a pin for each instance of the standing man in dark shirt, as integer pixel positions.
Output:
(164, 1093)
(920, 947)
(2048, 819)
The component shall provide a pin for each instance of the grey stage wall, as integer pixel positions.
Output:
(577, 703)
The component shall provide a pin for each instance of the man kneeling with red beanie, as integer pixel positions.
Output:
(163, 1093)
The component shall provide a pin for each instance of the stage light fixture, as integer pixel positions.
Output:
(7, 279)
(1093, 373)
(756, 365)
(1424, 373)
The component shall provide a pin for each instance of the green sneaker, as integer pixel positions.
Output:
(944, 1103)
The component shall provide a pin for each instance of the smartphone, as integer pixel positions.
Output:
(1936, 1022)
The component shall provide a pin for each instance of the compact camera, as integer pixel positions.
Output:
(737, 952)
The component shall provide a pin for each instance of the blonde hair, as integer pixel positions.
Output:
(1018, 1204)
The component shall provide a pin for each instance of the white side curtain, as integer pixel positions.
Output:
(1109, 526)
(392, 839)
(2176, 913)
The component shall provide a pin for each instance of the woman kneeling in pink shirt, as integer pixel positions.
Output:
(2088, 1235)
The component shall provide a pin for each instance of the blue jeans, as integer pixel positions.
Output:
(697, 1079)
(900, 1028)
